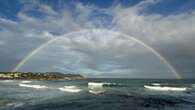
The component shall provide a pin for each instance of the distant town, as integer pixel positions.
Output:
(38, 76)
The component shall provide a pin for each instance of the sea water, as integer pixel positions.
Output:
(98, 94)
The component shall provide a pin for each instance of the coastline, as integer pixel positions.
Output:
(39, 76)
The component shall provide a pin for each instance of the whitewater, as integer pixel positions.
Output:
(97, 94)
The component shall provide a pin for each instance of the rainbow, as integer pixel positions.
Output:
(35, 51)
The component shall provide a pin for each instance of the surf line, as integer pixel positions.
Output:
(36, 50)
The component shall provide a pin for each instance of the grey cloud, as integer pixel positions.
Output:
(98, 53)
(172, 36)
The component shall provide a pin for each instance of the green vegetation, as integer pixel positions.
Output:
(38, 76)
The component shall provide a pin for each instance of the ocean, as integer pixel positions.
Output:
(98, 94)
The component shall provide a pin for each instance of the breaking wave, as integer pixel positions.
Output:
(26, 82)
(165, 88)
(156, 84)
(104, 84)
(72, 89)
(96, 87)
(6, 81)
(95, 84)
(96, 91)
(14, 104)
(33, 86)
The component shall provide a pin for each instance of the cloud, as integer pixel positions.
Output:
(171, 35)
(99, 52)
(2, 43)
(154, 27)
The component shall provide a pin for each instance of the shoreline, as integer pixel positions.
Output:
(39, 76)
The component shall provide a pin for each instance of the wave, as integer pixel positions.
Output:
(96, 91)
(33, 86)
(18, 104)
(165, 88)
(96, 87)
(104, 84)
(112, 85)
(193, 85)
(156, 84)
(6, 81)
(95, 84)
(26, 82)
(73, 89)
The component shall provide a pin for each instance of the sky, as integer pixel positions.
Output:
(99, 38)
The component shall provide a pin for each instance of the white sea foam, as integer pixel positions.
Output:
(18, 104)
(112, 84)
(95, 84)
(6, 81)
(165, 88)
(33, 86)
(100, 85)
(26, 82)
(96, 91)
(72, 89)
(156, 84)
(96, 87)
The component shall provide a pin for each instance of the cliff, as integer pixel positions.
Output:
(38, 76)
